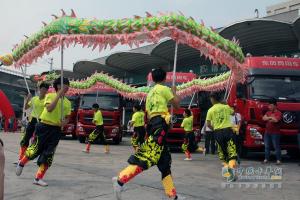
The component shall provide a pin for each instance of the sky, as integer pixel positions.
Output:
(24, 17)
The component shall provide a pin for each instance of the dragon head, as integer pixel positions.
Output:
(6, 59)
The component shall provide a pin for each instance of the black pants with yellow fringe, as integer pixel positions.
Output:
(28, 133)
(47, 139)
(226, 143)
(97, 134)
(152, 152)
(138, 137)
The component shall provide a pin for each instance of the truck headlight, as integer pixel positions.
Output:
(70, 128)
(115, 130)
(80, 128)
(254, 133)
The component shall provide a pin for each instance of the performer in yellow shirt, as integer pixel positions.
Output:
(189, 145)
(219, 120)
(37, 105)
(153, 151)
(138, 124)
(99, 130)
(48, 131)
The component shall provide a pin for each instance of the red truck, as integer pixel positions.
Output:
(70, 127)
(176, 133)
(268, 78)
(110, 106)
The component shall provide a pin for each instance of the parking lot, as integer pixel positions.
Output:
(75, 175)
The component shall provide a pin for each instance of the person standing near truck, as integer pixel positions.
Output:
(37, 105)
(236, 120)
(153, 151)
(272, 132)
(138, 124)
(98, 132)
(210, 142)
(219, 120)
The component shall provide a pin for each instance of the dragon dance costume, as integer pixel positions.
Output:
(219, 115)
(153, 151)
(48, 133)
(98, 133)
(138, 137)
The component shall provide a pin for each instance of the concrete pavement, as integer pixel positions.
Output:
(79, 176)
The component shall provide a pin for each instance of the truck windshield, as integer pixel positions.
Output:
(187, 100)
(109, 101)
(280, 88)
(74, 102)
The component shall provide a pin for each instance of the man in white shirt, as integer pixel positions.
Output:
(209, 139)
(236, 120)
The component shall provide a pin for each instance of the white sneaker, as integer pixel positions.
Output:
(117, 188)
(40, 182)
(204, 152)
(19, 169)
(188, 159)
(225, 172)
(86, 151)
(232, 176)
(178, 197)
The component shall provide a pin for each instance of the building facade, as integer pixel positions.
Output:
(286, 6)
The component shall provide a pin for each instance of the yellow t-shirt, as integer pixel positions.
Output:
(54, 117)
(37, 105)
(187, 124)
(220, 116)
(98, 119)
(157, 101)
(138, 119)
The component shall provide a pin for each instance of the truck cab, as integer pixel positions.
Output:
(268, 78)
(70, 127)
(109, 102)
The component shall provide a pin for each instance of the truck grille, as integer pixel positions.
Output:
(177, 119)
(290, 117)
(288, 140)
(88, 119)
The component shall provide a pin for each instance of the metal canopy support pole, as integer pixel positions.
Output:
(97, 95)
(24, 76)
(62, 77)
(174, 78)
(141, 101)
(27, 87)
(192, 100)
(227, 87)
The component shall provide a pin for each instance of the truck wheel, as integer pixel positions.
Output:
(244, 152)
(81, 139)
(74, 137)
(117, 140)
(293, 153)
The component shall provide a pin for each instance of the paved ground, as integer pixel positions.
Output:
(75, 175)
